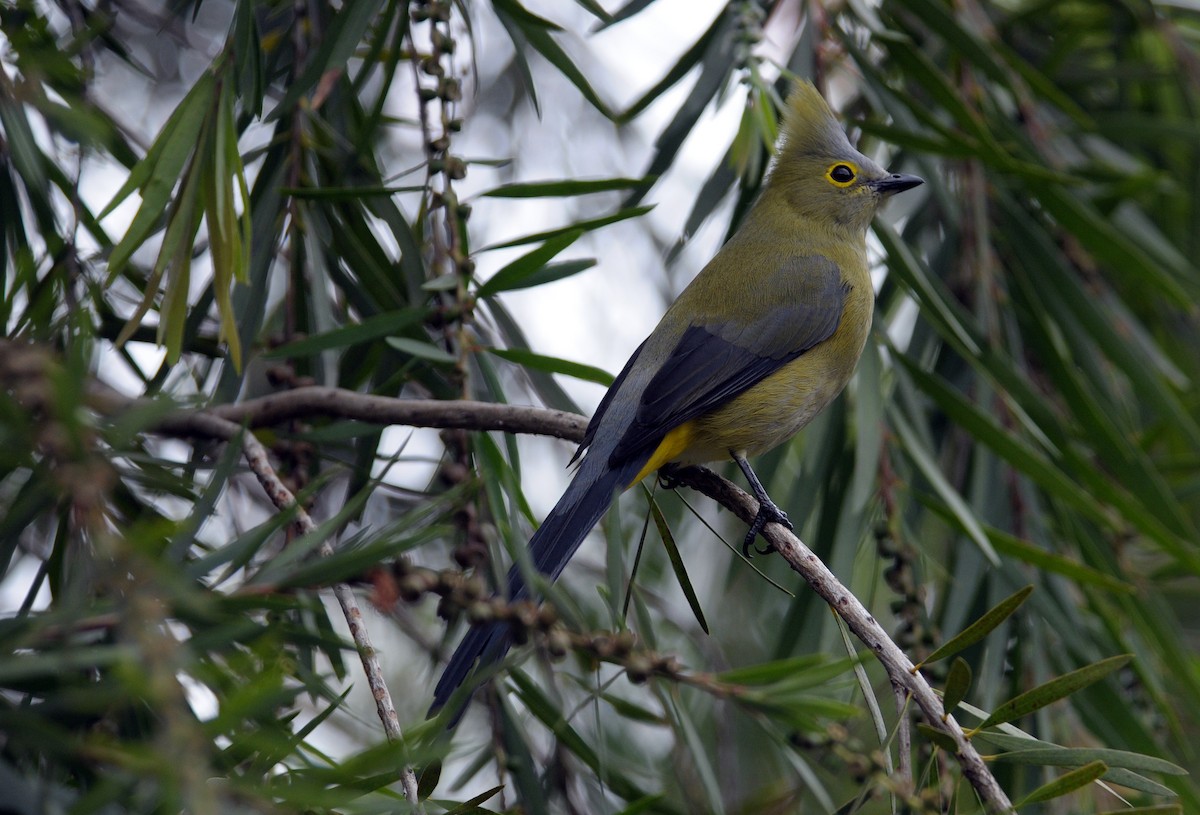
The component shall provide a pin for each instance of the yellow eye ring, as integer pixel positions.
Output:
(841, 174)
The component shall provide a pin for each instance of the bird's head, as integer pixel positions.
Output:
(820, 174)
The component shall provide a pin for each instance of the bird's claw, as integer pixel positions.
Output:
(767, 513)
(668, 480)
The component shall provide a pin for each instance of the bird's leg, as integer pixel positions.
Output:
(767, 511)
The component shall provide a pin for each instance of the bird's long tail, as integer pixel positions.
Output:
(581, 506)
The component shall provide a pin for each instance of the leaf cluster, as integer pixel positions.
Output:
(319, 205)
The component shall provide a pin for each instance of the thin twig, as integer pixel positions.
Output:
(903, 736)
(259, 462)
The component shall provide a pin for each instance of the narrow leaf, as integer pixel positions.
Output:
(537, 32)
(558, 189)
(939, 738)
(585, 226)
(685, 583)
(958, 682)
(1054, 690)
(981, 627)
(424, 350)
(924, 462)
(1069, 782)
(549, 273)
(157, 174)
(1055, 756)
(338, 45)
(553, 365)
(514, 274)
(549, 715)
(372, 328)
(769, 672)
(1012, 546)
(473, 806)
(179, 130)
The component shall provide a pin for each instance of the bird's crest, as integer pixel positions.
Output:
(809, 126)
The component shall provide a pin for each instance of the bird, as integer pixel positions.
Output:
(760, 341)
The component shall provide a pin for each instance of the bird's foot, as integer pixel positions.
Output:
(767, 513)
(667, 478)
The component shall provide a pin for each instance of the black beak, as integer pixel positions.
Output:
(896, 182)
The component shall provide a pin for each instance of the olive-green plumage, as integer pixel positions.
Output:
(764, 338)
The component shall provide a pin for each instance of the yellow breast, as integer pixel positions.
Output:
(775, 409)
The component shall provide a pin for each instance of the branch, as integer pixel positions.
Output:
(316, 401)
(899, 667)
(319, 402)
(257, 458)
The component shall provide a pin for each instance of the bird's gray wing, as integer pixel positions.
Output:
(715, 361)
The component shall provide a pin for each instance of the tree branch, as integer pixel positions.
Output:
(899, 667)
(257, 458)
(317, 401)
(320, 402)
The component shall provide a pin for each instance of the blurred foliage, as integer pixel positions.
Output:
(274, 192)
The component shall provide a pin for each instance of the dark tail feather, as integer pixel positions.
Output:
(581, 506)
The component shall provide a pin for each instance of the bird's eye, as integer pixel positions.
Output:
(841, 174)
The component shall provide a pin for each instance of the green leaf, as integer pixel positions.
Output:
(354, 557)
(583, 226)
(718, 64)
(595, 9)
(338, 45)
(677, 566)
(958, 682)
(925, 463)
(372, 328)
(446, 282)
(15, 671)
(679, 70)
(157, 174)
(558, 189)
(228, 232)
(174, 259)
(553, 365)
(632, 711)
(1010, 446)
(551, 272)
(1054, 690)
(346, 194)
(775, 671)
(939, 738)
(628, 10)
(981, 627)
(27, 158)
(422, 350)
(428, 778)
(472, 806)
(1109, 243)
(282, 566)
(1066, 783)
(515, 275)
(536, 31)
(1055, 756)
(692, 746)
(646, 804)
(1012, 546)
(549, 715)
